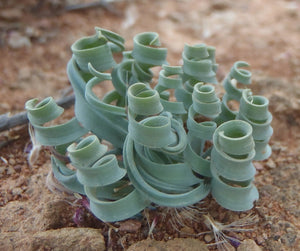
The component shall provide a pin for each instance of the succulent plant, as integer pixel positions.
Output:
(170, 145)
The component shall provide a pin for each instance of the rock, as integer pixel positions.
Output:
(271, 244)
(16, 191)
(2, 169)
(11, 211)
(16, 40)
(11, 14)
(14, 241)
(260, 240)
(130, 226)
(186, 231)
(271, 164)
(69, 239)
(187, 244)
(24, 73)
(220, 5)
(247, 245)
(289, 239)
(52, 215)
(258, 166)
(32, 32)
(61, 239)
(10, 170)
(208, 238)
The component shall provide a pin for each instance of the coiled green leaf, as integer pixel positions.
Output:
(110, 211)
(66, 176)
(104, 104)
(205, 101)
(92, 168)
(136, 64)
(198, 63)
(157, 190)
(122, 76)
(207, 105)
(231, 166)
(46, 111)
(97, 50)
(254, 110)
(235, 76)
(100, 178)
(170, 78)
(152, 131)
(100, 121)
(142, 100)
(150, 151)
(146, 51)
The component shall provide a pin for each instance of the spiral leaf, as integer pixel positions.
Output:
(205, 101)
(199, 64)
(170, 78)
(97, 50)
(122, 76)
(104, 104)
(151, 153)
(99, 177)
(235, 76)
(231, 166)
(112, 127)
(46, 111)
(146, 51)
(156, 189)
(254, 110)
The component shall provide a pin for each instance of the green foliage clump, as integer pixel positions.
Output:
(170, 145)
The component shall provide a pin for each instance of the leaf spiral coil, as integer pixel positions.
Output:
(45, 111)
(254, 110)
(231, 166)
(99, 176)
(170, 77)
(235, 76)
(155, 167)
(199, 65)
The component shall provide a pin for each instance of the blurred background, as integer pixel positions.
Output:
(36, 35)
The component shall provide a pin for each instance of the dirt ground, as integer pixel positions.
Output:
(35, 40)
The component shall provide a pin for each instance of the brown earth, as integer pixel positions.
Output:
(34, 50)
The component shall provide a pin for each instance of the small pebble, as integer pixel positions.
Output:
(248, 245)
(258, 166)
(208, 238)
(12, 162)
(260, 240)
(17, 40)
(16, 191)
(11, 14)
(130, 226)
(186, 231)
(271, 164)
(18, 168)
(10, 170)
(2, 169)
